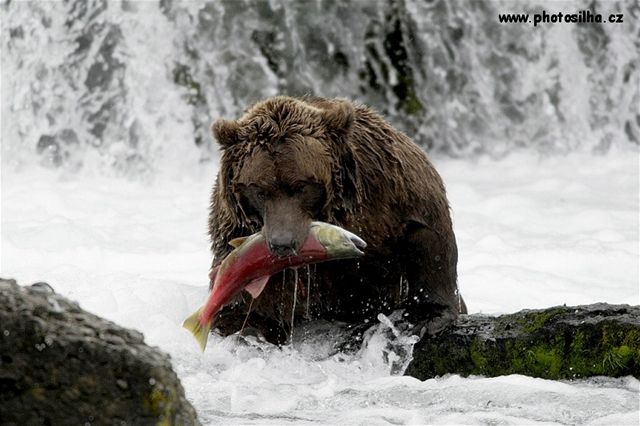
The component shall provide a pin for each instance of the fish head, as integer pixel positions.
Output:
(338, 242)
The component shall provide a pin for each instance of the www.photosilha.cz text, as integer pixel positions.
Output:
(581, 17)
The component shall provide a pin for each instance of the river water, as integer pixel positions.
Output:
(107, 166)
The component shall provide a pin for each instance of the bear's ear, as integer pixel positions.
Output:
(339, 117)
(225, 132)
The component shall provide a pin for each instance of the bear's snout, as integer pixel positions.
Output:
(286, 225)
(282, 244)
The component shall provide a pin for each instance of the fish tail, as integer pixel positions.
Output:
(199, 331)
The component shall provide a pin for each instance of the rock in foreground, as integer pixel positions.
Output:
(556, 343)
(62, 365)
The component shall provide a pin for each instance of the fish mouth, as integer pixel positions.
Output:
(357, 241)
(338, 242)
(357, 244)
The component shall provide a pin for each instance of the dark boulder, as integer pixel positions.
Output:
(556, 343)
(62, 365)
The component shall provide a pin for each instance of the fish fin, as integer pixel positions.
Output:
(237, 242)
(199, 331)
(256, 286)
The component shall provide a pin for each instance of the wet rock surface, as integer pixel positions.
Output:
(62, 365)
(556, 343)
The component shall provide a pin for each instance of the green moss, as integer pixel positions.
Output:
(611, 361)
(534, 321)
(441, 362)
(549, 361)
(406, 92)
(412, 104)
(408, 97)
(611, 351)
(159, 402)
(624, 352)
(580, 357)
(617, 360)
(154, 402)
(182, 77)
(539, 344)
(570, 352)
(478, 357)
(520, 357)
(632, 338)
(620, 350)
(540, 360)
(517, 355)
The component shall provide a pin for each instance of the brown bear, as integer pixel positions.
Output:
(288, 161)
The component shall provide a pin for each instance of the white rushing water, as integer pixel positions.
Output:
(533, 232)
(126, 85)
(115, 98)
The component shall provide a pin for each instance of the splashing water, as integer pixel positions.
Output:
(553, 232)
(90, 84)
(129, 88)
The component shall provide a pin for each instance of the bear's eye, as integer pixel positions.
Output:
(255, 196)
(312, 196)
(252, 199)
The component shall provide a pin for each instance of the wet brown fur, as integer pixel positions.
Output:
(377, 183)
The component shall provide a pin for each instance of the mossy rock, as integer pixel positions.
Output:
(556, 343)
(62, 365)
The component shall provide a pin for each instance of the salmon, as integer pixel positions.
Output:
(250, 265)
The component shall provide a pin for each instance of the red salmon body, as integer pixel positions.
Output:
(255, 262)
(251, 264)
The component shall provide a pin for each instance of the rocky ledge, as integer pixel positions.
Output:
(556, 343)
(62, 365)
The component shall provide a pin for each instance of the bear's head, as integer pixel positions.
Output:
(285, 163)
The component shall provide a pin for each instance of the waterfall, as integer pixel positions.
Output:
(132, 87)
